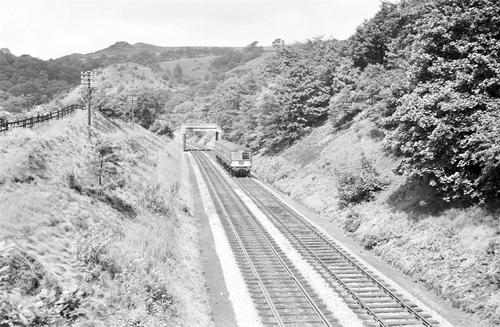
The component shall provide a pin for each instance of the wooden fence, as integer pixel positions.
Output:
(29, 122)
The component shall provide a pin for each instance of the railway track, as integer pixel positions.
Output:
(280, 293)
(374, 301)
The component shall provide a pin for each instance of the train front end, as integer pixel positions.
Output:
(234, 157)
(241, 162)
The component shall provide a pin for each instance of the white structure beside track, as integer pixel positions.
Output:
(201, 127)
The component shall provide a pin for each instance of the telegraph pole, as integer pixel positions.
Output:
(87, 79)
(132, 99)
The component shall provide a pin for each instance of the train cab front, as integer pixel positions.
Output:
(241, 162)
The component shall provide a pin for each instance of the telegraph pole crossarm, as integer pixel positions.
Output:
(87, 79)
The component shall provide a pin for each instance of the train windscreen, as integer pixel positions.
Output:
(245, 156)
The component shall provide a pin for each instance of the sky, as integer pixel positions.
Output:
(54, 28)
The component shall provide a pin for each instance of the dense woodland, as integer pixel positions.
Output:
(427, 72)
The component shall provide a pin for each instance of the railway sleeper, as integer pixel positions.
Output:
(331, 259)
(303, 319)
(291, 311)
(289, 306)
(361, 283)
(272, 279)
(281, 293)
(396, 309)
(401, 315)
(376, 295)
(406, 323)
(284, 282)
(368, 289)
(268, 321)
(279, 289)
(281, 301)
(394, 305)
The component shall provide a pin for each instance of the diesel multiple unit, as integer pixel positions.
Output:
(235, 158)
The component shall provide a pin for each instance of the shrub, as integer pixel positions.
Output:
(376, 134)
(344, 114)
(73, 181)
(161, 128)
(22, 271)
(52, 308)
(11, 314)
(154, 201)
(159, 299)
(352, 221)
(93, 251)
(119, 204)
(369, 241)
(344, 107)
(356, 186)
(107, 161)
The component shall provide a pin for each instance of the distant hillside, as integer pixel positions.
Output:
(197, 68)
(122, 47)
(251, 64)
(144, 53)
(26, 81)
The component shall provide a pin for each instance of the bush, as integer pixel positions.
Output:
(356, 186)
(159, 299)
(154, 201)
(73, 181)
(341, 115)
(52, 308)
(93, 251)
(369, 241)
(107, 161)
(344, 107)
(352, 221)
(11, 314)
(22, 271)
(161, 128)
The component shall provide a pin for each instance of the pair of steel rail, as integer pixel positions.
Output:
(308, 242)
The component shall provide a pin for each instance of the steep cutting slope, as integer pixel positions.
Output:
(73, 251)
(455, 252)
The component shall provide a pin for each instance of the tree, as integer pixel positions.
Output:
(106, 162)
(178, 74)
(447, 127)
(253, 50)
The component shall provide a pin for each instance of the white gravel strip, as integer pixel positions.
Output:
(334, 303)
(440, 319)
(243, 307)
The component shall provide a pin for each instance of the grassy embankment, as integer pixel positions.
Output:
(455, 252)
(123, 253)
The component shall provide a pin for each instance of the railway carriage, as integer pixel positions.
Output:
(235, 158)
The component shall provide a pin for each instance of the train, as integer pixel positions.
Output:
(233, 157)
